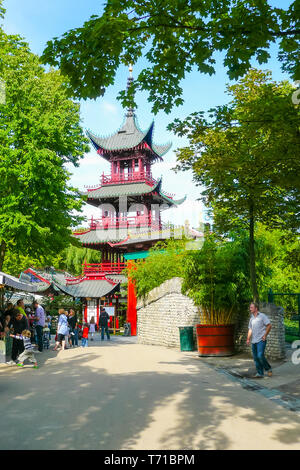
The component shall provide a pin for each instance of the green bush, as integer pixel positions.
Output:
(216, 278)
(164, 262)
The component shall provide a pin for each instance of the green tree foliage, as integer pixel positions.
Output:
(2, 10)
(70, 260)
(74, 257)
(281, 254)
(164, 262)
(246, 157)
(39, 132)
(15, 263)
(52, 305)
(175, 36)
(216, 278)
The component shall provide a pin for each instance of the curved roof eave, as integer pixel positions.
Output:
(132, 135)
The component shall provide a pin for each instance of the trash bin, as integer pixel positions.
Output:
(186, 338)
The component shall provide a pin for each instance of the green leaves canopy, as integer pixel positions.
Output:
(247, 153)
(164, 262)
(175, 36)
(246, 157)
(39, 132)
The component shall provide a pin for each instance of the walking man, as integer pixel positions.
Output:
(103, 323)
(40, 323)
(258, 330)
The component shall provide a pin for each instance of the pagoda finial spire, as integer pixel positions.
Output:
(130, 111)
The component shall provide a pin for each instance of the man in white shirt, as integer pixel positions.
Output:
(258, 330)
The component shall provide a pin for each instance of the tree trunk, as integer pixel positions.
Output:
(252, 254)
(2, 253)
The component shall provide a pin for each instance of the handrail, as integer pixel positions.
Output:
(105, 267)
(137, 176)
(124, 222)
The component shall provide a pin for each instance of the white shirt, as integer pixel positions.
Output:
(258, 325)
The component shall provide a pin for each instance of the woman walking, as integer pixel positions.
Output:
(62, 329)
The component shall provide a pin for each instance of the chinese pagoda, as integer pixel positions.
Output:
(129, 202)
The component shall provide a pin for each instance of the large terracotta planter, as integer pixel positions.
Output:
(215, 340)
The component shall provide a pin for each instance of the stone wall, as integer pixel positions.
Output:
(276, 339)
(161, 314)
(165, 309)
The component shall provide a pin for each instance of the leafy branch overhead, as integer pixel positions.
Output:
(175, 36)
(246, 156)
(39, 133)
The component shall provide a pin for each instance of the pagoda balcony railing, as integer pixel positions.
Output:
(105, 268)
(137, 221)
(97, 271)
(135, 177)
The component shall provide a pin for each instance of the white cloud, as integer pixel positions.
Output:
(108, 107)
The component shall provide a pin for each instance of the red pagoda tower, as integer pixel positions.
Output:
(129, 202)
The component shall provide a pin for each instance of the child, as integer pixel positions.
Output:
(92, 328)
(46, 331)
(85, 335)
(28, 351)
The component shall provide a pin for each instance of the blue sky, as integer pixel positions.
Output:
(39, 21)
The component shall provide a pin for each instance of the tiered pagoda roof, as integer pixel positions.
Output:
(128, 137)
(133, 190)
(131, 152)
(128, 240)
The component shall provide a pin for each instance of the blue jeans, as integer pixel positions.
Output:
(261, 363)
(84, 342)
(74, 338)
(106, 331)
(39, 334)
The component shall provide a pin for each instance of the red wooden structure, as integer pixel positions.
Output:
(131, 152)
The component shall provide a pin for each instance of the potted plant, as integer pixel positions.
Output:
(216, 279)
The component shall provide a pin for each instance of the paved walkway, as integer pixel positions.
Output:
(284, 386)
(121, 395)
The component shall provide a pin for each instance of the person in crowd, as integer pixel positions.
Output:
(4, 321)
(31, 322)
(28, 311)
(17, 324)
(72, 320)
(40, 323)
(2, 324)
(103, 323)
(85, 336)
(21, 307)
(258, 330)
(62, 329)
(46, 342)
(9, 308)
(92, 328)
(49, 321)
(28, 353)
(79, 327)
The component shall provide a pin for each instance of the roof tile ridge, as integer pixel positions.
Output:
(88, 131)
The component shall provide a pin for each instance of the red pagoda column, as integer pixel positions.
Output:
(140, 166)
(131, 301)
